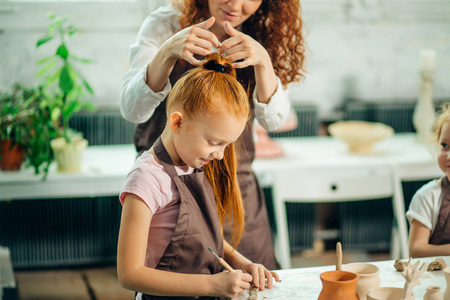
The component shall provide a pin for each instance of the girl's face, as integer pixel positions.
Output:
(233, 11)
(201, 140)
(444, 149)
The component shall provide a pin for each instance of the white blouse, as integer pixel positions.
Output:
(138, 101)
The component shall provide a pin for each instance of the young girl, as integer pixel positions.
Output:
(171, 212)
(428, 213)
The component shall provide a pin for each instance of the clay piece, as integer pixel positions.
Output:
(399, 265)
(253, 294)
(412, 275)
(437, 264)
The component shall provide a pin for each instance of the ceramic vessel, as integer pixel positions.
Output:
(447, 280)
(338, 285)
(385, 293)
(424, 111)
(369, 277)
(433, 293)
(68, 156)
(360, 136)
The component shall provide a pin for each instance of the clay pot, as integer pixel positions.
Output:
(11, 157)
(369, 277)
(433, 293)
(447, 279)
(385, 293)
(338, 285)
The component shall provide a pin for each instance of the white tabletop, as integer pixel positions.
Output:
(305, 284)
(324, 152)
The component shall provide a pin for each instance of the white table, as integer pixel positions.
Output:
(321, 169)
(305, 284)
(399, 158)
(103, 171)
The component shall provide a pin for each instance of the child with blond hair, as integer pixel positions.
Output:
(429, 210)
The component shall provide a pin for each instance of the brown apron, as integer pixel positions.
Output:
(256, 243)
(441, 233)
(198, 226)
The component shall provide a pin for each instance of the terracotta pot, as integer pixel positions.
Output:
(447, 279)
(338, 285)
(369, 277)
(68, 156)
(433, 293)
(11, 158)
(385, 293)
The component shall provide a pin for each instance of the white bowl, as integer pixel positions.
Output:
(360, 136)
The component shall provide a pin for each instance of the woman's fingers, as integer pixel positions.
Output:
(206, 34)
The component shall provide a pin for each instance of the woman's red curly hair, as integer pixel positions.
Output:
(276, 25)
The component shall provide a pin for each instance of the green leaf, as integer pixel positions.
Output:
(80, 59)
(88, 87)
(43, 40)
(46, 68)
(70, 108)
(71, 30)
(55, 114)
(45, 59)
(65, 81)
(62, 52)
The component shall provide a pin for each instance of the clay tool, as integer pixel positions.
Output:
(339, 256)
(222, 261)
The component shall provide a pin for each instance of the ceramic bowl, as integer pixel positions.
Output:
(369, 277)
(360, 136)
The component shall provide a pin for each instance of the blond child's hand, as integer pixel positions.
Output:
(260, 274)
(230, 284)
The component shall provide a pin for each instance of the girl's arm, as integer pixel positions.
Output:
(259, 273)
(134, 275)
(419, 235)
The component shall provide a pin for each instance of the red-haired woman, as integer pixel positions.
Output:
(263, 39)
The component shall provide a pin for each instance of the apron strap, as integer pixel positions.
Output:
(441, 233)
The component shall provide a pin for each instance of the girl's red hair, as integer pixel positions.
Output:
(203, 92)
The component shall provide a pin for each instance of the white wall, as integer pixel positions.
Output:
(357, 49)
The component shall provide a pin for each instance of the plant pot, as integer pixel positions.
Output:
(68, 156)
(11, 157)
(338, 285)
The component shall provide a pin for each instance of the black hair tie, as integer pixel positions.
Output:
(214, 66)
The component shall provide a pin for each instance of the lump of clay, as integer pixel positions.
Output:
(253, 294)
(399, 265)
(437, 264)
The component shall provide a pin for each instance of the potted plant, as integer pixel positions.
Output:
(63, 91)
(16, 113)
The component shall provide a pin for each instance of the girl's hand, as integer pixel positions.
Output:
(230, 284)
(242, 47)
(260, 274)
(193, 40)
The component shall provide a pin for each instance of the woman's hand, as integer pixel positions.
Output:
(230, 284)
(243, 50)
(260, 274)
(196, 39)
